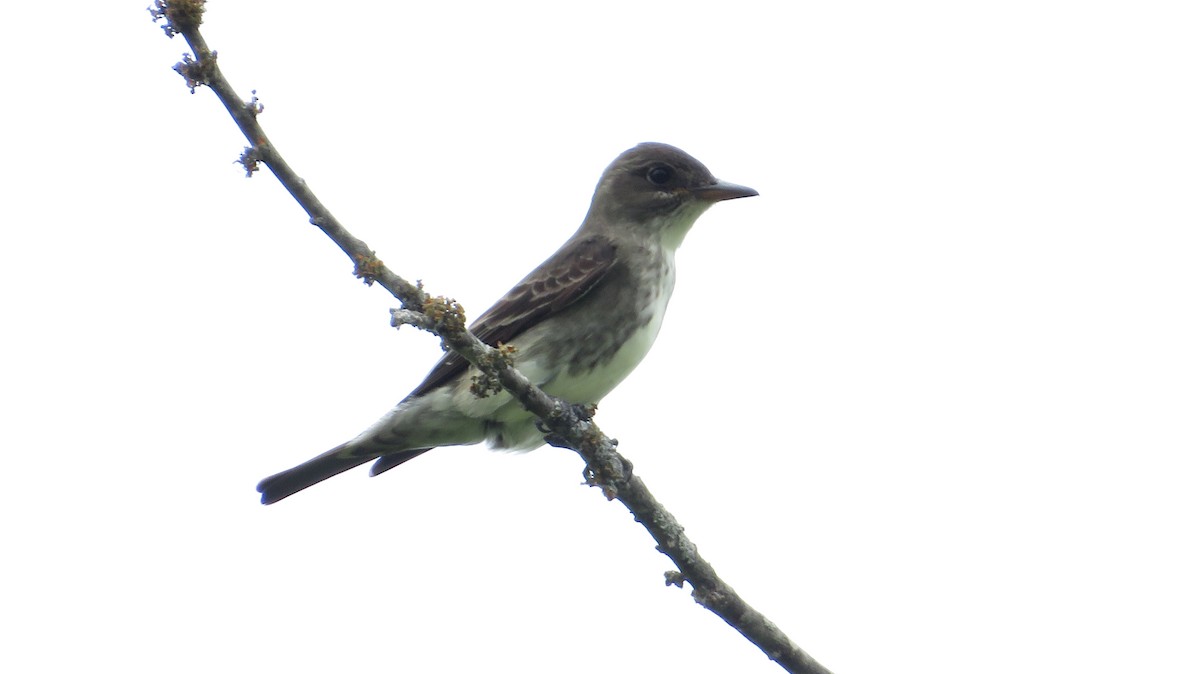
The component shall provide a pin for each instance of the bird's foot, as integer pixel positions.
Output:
(580, 413)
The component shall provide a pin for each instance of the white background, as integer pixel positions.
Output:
(929, 402)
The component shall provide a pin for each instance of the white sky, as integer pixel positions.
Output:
(930, 402)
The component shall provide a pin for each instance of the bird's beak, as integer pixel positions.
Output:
(721, 190)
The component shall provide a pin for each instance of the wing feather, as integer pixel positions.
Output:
(558, 283)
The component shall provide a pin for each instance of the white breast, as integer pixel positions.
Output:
(591, 387)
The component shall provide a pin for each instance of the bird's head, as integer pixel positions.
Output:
(658, 188)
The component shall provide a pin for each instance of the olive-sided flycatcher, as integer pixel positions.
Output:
(580, 322)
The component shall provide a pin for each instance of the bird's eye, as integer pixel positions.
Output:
(660, 174)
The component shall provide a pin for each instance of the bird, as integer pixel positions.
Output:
(579, 323)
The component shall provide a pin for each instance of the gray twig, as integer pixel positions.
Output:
(568, 425)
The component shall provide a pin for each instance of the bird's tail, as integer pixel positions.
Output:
(337, 460)
(386, 463)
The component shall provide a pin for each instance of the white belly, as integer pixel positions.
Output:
(591, 387)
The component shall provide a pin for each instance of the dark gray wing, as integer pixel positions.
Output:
(555, 285)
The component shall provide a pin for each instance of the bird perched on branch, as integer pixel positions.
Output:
(579, 323)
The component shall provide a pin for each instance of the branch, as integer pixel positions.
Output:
(567, 425)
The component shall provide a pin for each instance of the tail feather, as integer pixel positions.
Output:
(337, 460)
(390, 461)
(282, 485)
